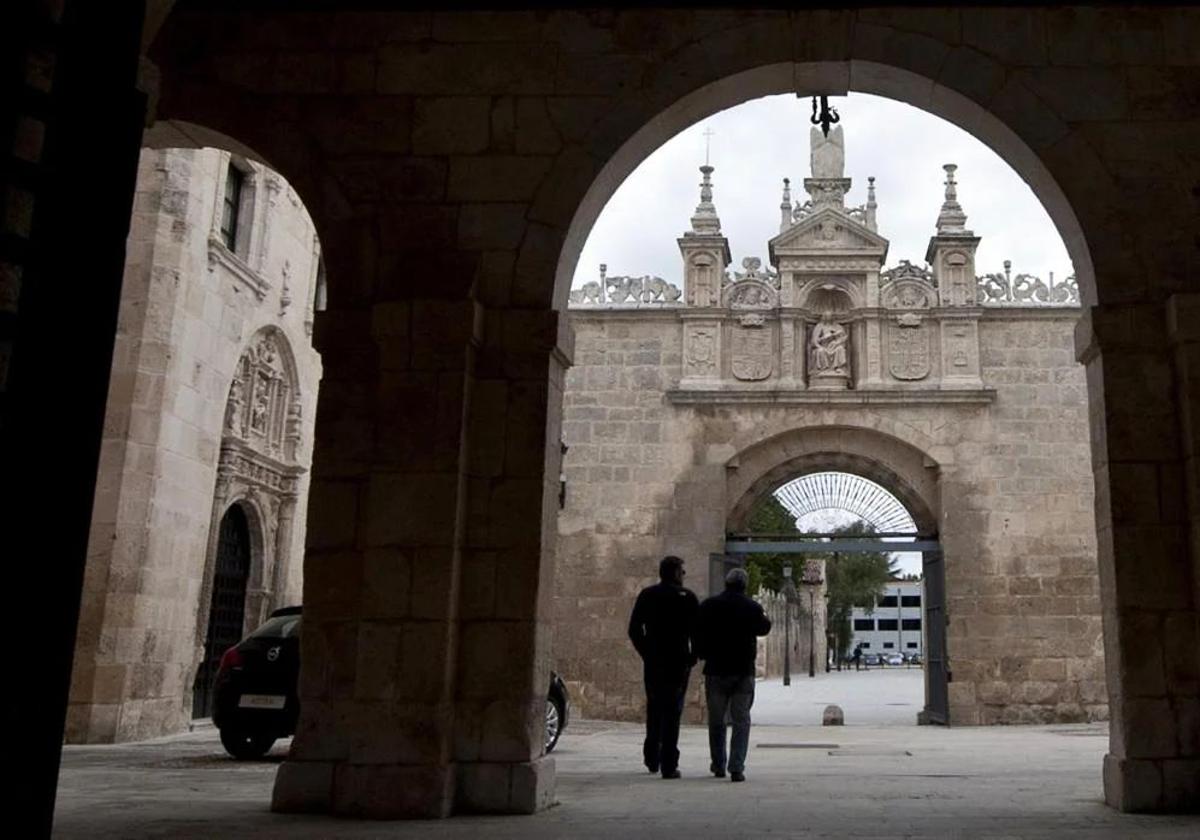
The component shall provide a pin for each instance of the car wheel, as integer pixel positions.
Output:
(553, 723)
(246, 745)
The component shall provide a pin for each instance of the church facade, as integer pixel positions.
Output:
(199, 516)
(957, 392)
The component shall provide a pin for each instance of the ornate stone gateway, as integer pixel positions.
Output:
(682, 413)
(257, 468)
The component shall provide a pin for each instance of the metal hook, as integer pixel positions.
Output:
(828, 116)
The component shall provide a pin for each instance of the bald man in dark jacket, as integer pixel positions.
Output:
(727, 631)
(661, 628)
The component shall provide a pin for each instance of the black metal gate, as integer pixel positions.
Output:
(227, 614)
(937, 673)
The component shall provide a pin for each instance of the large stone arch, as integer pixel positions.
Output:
(906, 472)
(945, 96)
(494, 232)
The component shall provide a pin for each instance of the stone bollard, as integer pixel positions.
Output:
(832, 716)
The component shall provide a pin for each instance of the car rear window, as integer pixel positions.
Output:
(280, 627)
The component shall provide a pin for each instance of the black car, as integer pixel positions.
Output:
(255, 700)
(255, 697)
(558, 710)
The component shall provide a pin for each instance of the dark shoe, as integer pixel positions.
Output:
(735, 776)
(653, 768)
(670, 774)
(719, 772)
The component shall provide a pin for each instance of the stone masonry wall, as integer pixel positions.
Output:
(184, 322)
(645, 478)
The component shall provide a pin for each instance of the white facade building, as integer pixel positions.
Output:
(894, 626)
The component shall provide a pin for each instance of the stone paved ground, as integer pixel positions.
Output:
(877, 782)
(880, 696)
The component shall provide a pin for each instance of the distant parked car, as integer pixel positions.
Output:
(255, 697)
(893, 659)
(870, 659)
(914, 658)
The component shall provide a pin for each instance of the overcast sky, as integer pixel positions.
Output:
(757, 144)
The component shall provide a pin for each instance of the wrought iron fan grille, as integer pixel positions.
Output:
(853, 494)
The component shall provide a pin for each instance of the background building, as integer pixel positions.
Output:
(895, 622)
(198, 523)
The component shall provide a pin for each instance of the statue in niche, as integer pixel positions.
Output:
(233, 409)
(828, 348)
(258, 414)
(828, 156)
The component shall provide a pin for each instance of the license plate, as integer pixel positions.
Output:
(262, 701)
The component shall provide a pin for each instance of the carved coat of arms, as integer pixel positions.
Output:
(751, 356)
(908, 352)
(702, 351)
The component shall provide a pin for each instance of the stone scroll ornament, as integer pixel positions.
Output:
(631, 291)
(1025, 290)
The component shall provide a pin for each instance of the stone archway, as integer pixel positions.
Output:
(226, 614)
(258, 464)
(910, 476)
(996, 57)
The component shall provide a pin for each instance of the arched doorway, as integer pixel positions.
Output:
(227, 610)
(858, 548)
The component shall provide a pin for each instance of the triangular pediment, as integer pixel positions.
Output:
(828, 230)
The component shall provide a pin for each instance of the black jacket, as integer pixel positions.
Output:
(727, 631)
(662, 625)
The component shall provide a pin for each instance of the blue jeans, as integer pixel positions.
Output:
(735, 696)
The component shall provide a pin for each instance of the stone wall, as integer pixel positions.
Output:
(770, 663)
(1008, 485)
(187, 315)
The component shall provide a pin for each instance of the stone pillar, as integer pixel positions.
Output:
(426, 590)
(1141, 407)
(70, 75)
(386, 508)
(504, 656)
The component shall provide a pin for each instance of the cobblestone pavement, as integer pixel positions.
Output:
(880, 696)
(852, 782)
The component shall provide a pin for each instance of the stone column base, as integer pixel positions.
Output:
(523, 787)
(1152, 785)
(372, 791)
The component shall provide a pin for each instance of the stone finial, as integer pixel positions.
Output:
(833, 716)
(951, 220)
(871, 205)
(705, 219)
(785, 206)
(603, 280)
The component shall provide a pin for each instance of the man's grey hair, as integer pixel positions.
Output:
(737, 579)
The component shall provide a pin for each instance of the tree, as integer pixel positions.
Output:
(766, 570)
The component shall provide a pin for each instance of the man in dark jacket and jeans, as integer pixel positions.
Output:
(661, 628)
(727, 634)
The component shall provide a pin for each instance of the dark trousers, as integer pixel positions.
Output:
(666, 688)
(729, 696)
